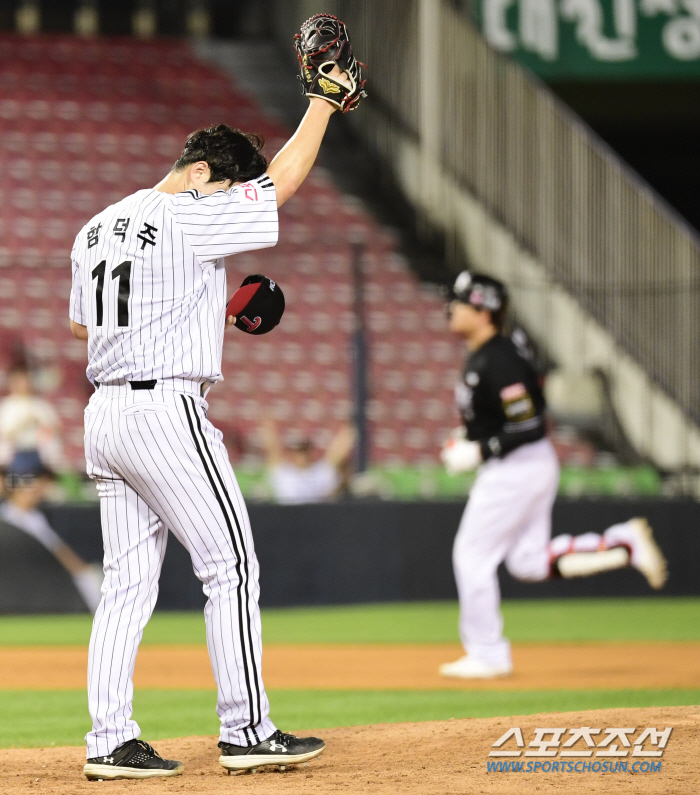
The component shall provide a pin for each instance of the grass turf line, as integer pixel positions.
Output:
(52, 718)
(537, 620)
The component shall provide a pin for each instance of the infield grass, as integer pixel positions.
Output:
(541, 620)
(45, 718)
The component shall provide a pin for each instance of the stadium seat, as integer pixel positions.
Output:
(83, 124)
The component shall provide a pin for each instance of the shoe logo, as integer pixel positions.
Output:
(278, 747)
(108, 760)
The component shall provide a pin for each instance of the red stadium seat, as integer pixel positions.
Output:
(85, 123)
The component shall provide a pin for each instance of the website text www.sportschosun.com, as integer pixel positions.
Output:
(573, 766)
(615, 743)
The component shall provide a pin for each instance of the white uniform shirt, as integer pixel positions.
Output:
(292, 484)
(25, 419)
(149, 280)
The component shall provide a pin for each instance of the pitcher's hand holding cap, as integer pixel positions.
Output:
(257, 305)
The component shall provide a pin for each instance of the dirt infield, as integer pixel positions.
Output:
(375, 666)
(435, 757)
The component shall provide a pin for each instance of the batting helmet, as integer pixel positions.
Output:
(480, 291)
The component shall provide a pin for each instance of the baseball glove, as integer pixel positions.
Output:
(321, 44)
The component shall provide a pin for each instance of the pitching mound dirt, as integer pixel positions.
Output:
(434, 757)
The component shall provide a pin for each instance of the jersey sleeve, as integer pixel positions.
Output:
(242, 218)
(523, 410)
(76, 310)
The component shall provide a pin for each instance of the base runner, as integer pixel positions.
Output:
(508, 516)
(149, 296)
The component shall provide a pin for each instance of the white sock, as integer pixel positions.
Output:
(584, 564)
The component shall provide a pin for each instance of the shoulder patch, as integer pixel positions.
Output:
(250, 193)
(513, 392)
(517, 403)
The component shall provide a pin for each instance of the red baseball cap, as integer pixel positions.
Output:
(257, 305)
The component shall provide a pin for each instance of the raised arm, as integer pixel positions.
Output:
(271, 441)
(293, 162)
(341, 446)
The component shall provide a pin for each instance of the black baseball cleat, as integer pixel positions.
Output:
(279, 749)
(133, 759)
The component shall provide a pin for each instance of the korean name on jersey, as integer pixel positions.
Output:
(149, 280)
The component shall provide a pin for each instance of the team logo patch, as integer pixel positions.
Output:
(252, 324)
(513, 392)
(328, 87)
(476, 298)
(250, 194)
(519, 409)
(486, 297)
(517, 403)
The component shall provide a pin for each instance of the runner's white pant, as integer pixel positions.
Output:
(160, 465)
(509, 518)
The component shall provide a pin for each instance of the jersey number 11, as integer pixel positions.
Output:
(123, 272)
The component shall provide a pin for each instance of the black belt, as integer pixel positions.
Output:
(150, 385)
(139, 384)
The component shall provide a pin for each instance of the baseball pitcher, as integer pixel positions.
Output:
(149, 296)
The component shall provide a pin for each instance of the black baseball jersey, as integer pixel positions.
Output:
(500, 398)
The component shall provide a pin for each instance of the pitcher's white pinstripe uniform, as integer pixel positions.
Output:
(166, 318)
(150, 285)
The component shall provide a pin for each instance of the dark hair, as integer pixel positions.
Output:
(498, 318)
(229, 153)
(18, 367)
(301, 446)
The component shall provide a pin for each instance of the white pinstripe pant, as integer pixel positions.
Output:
(160, 465)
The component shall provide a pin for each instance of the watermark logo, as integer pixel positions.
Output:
(582, 750)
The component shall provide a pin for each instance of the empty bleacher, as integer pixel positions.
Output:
(84, 123)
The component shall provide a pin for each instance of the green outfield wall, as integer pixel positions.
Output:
(375, 551)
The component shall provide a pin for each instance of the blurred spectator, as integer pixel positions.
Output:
(27, 481)
(295, 476)
(28, 422)
(572, 448)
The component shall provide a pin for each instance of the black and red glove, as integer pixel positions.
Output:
(321, 44)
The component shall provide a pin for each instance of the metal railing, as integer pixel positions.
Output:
(599, 231)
